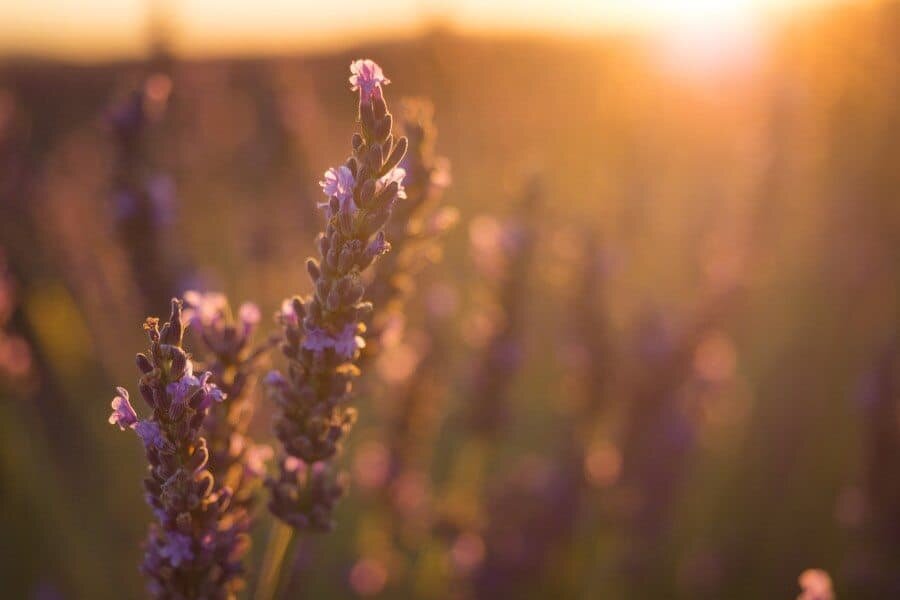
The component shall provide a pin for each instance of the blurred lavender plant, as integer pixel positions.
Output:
(512, 248)
(194, 549)
(531, 511)
(409, 369)
(414, 228)
(322, 332)
(15, 352)
(235, 461)
(591, 329)
(880, 398)
(143, 200)
(504, 253)
(659, 431)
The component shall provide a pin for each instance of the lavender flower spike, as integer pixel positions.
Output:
(191, 551)
(323, 332)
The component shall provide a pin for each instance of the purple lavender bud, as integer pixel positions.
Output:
(143, 364)
(312, 267)
(348, 342)
(123, 413)
(367, 78)
(182, 390)
(338, 183)
(211, 392)
(378, 246)
(150, 434)
(317, 340)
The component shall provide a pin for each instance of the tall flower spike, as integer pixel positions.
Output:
(193, 550)
(323, 332)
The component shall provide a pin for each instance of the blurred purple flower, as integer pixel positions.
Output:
(287, 316)
(204, 309)
(274, 378)
(162, 193)
(249, 315)
(256, 457)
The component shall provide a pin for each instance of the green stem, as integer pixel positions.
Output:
(281, 538)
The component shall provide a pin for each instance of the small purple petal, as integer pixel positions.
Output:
(317, 340)
(123, 413)
(367, 78)
(177, 549)
(339, 183)
(150, 434)
(347, 343)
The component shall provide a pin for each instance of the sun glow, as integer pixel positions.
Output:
(689, 30)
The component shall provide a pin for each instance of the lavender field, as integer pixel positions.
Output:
(459, 314)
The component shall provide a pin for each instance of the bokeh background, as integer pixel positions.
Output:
(704, 399)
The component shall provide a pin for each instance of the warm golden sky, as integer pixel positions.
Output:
(86, 29)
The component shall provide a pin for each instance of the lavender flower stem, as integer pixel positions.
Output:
(281, 541)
